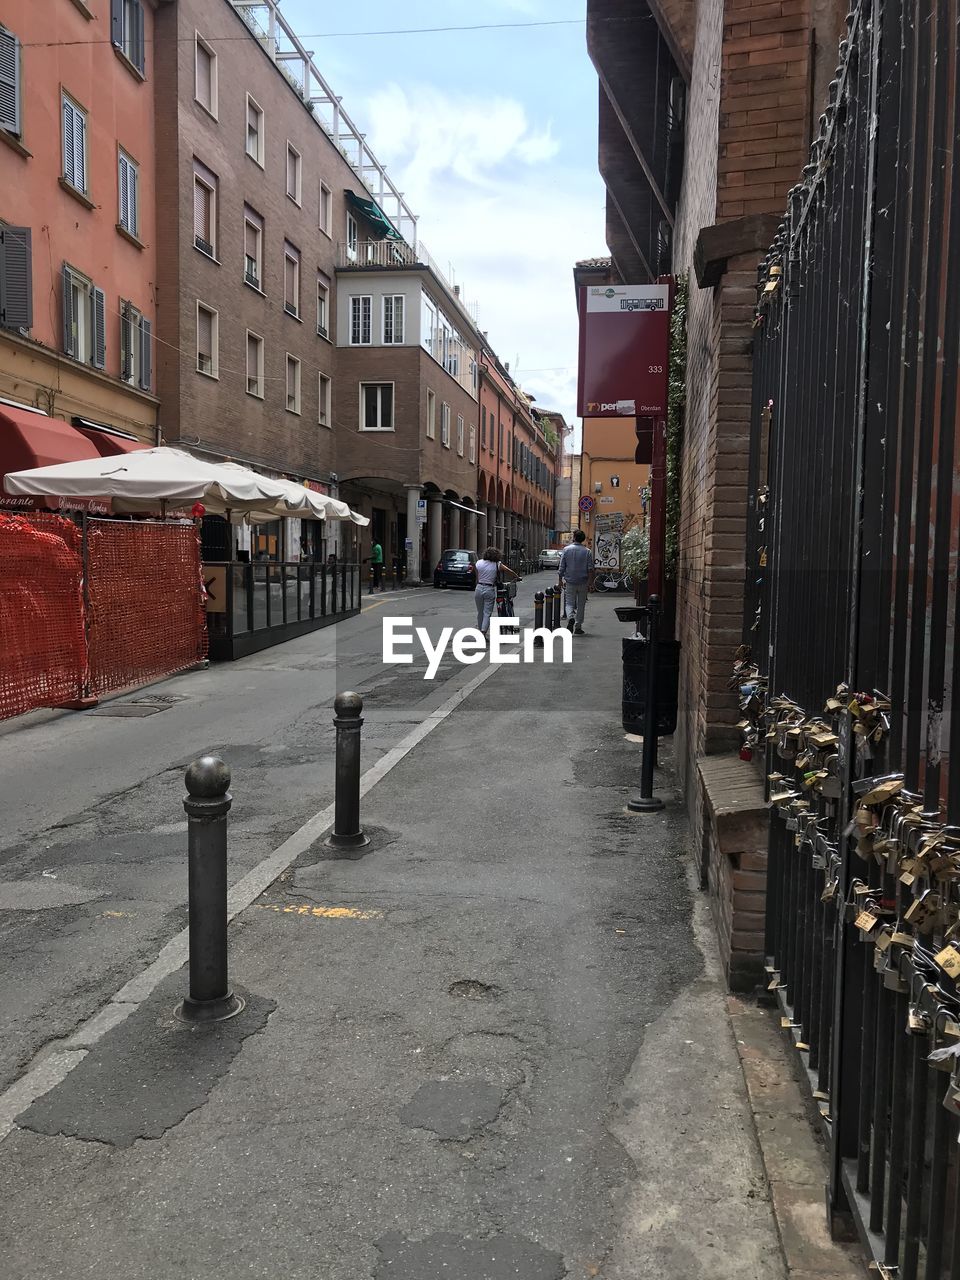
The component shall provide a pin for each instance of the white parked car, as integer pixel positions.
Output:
(549, 558)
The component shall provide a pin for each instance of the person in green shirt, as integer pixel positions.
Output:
(376, 564)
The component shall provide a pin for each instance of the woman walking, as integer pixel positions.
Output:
(486, 591)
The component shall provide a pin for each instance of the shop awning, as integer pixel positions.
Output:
(106, 442)
(29, 439)
(374, 215)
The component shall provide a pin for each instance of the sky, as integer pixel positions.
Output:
(492, 137)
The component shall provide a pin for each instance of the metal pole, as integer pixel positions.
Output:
(538, 599)
(347, 832)
(207, 803)
(646, 801)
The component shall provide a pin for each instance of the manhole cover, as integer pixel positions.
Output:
(127, 710)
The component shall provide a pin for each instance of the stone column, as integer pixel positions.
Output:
(456, 536)
(414, 533)
(434, 530)
(471, 529)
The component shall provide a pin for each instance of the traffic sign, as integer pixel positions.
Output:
(586, 503)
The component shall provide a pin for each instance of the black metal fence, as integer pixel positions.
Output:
(264, 602)
(850, 630)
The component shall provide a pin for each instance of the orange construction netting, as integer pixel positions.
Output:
(43, 658)
(145, 602)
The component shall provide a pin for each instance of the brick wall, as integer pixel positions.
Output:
(219, 414)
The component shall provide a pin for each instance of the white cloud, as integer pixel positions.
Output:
(503, 214)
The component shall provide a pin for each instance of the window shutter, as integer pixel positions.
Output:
(139, 60)
(126, 342)
(133, 197)
(98, 314)
(68, 166)
(146, 353)
(9, 82)
(124, 193)
(79, 151)
(67, 283)
(16, 278)
(116, 22)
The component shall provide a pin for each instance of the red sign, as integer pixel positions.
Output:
(624, 351)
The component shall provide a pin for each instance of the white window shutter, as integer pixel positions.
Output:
(69, 169)
(124, 193)
(80, 151)
(9, 82)
(133, 196)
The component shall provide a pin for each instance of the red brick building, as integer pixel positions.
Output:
(705, 122)
(518, 463)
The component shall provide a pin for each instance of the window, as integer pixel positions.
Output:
(323, 400)
(460, 434)
(135, 351)
(376, 406)
(473, 443)
(255, 140)
(254, 365)
(74, 145)
(204, 210)
(208, 341)
(84, 317)
(323, 305)
(10, 85)
(483, 427)
(393, 320)
(126, 23)
(129, 185)
(293, 384)
(291, 280)
(445, 425)
(326, 208)
(431, 415)
(293, 173)
(205, 90)
(252, 248)
(352, 237)
(16, 277)
(361, 309)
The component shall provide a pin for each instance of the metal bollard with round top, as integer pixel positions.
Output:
(347, 832)
(207, 804)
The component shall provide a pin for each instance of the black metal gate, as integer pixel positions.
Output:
(850, 629)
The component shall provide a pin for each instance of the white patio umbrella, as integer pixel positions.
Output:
(143, 479)
(301, 503)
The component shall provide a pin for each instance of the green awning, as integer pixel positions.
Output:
(378, 220)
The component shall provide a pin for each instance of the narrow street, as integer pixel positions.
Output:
(494, 1044)
(92, 854)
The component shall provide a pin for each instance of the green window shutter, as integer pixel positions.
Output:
(98, 318)
(16, 278)
(9, 82)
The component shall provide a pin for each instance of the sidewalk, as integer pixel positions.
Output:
(494, 1045)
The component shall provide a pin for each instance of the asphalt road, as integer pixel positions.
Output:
(93, 845)
(491, 1046)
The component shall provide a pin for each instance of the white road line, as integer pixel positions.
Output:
(55, 1067)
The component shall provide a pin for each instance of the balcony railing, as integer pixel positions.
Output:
(379, 253)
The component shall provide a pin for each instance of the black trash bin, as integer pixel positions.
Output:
(635, 684)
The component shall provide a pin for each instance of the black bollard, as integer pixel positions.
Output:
(646, 801)
(207, 803)
(347, 832)
(550, 609)
(538, 599)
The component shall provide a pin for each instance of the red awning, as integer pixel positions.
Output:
(30, 440)
(107, 444)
